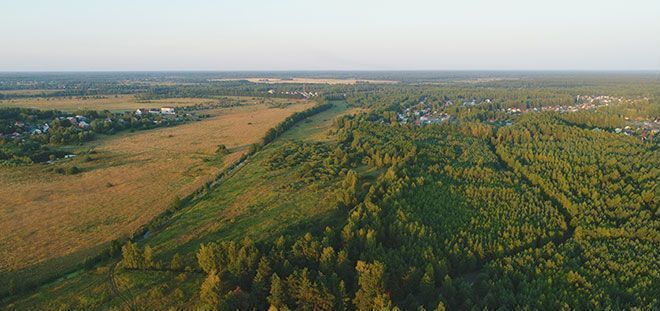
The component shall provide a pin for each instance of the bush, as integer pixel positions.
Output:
(73, 170)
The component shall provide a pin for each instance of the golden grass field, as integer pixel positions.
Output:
(309, 80)
(132, 178)
(105, 102)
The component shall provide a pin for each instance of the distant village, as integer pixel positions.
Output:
(644, 130)
(422, 116)
(23, 128)
(423, 113)
(303, 93)
(582, 102)
(166, 111)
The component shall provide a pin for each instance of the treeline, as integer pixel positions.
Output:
(312, 159)
(291, 120)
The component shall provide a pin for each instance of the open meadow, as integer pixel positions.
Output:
(124, 183)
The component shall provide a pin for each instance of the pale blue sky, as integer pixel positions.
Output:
(329, 35)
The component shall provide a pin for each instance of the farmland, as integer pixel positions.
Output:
(126, 181)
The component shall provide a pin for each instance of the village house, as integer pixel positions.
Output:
(141, 111)
(167, 110)
(83, 125)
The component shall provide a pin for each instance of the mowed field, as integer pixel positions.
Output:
(107, 102)
(131, 178)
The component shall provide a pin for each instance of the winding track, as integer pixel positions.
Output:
(112, 283)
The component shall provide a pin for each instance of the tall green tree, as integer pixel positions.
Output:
(371, 293)
(210, 291)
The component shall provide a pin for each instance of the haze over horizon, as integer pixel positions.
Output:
(254, 35)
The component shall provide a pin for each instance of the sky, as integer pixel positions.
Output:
(118, 35)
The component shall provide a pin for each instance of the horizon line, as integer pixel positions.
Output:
(656, 70)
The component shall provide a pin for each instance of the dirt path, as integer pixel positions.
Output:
(112, 283)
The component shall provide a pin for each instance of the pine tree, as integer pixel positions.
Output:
(148, 257)
(206, 258)
(131, 256)
(210, 291)
(278, 294)
(177, 262)
(371, 286)
(260, 284)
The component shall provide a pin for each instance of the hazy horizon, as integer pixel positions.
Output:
(74, 35)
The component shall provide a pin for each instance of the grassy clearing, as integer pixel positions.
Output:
(317, 127)
(131, 178)
(261, 210)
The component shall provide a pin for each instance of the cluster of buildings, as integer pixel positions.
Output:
(472, 102)
(645, 130)
(79, 121)
(422, 116)
(582, 102)
(304, 94)
(22, 129)
(560, 109)
(160, 111)
(601, 99)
